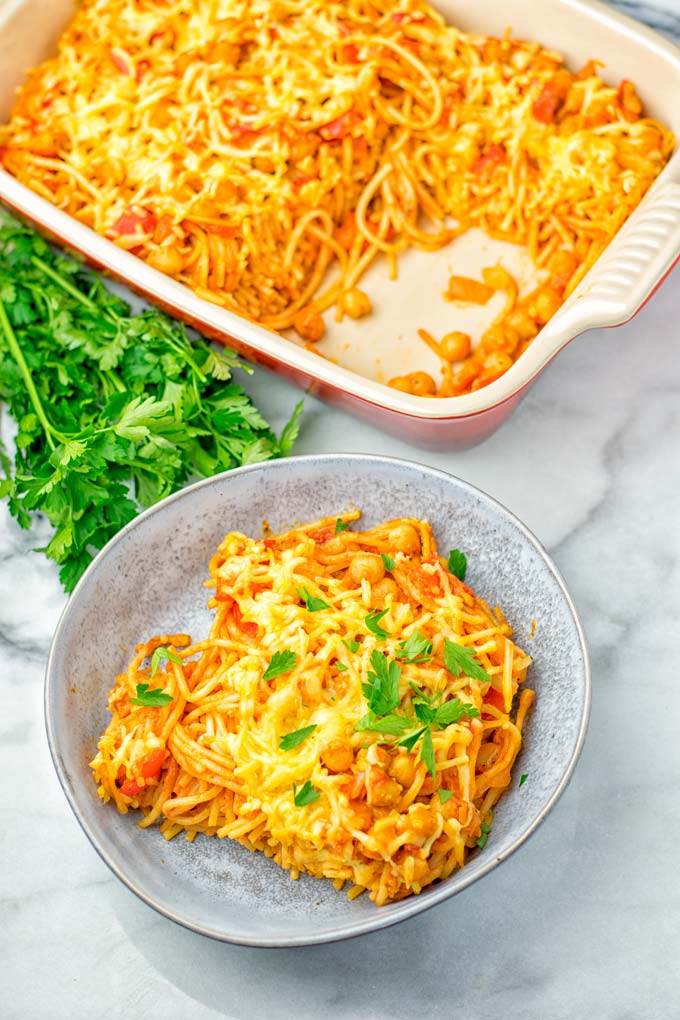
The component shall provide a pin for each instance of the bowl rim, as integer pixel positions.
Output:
(410, 906)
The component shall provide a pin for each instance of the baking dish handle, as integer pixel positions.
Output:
(631, 268)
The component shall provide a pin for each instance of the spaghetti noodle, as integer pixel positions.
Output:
(247, 148)
(354, 712)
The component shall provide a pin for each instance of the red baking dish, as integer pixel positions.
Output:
(362, 355)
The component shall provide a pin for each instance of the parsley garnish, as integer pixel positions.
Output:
(280, 663)
(481, 842)
(115, 410)
(416, 648)
(294, 739)
(459, 659)
(382, 694)
(314, 605)
(159, 655)
(445, 795)
(352, 646)
(457, 564)
(340, 526)
(155, 698)
(382, 687)
(523, 778)
(307, 794)
(393, 724)
(340, 666)
(372, 621)
(388, 562)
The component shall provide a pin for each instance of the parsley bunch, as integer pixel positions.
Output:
(114, 410)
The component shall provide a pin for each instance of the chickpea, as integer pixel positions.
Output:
(495, 364)
(403, 769)
(422, 384)
(498, 278)
(562, 263)
(455, 346)
(400, 382)
(544, 305)
(366, 566)
(522, 323)
(338, 757)
(309, 324)
(167, 260)
(363, 816)
(264, 164)
(382, 590)
(383, 791)
(356, 303)
(404, 538)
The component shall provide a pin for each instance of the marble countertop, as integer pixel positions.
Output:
(584, 921)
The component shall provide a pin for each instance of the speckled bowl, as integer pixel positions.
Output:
(148, 581)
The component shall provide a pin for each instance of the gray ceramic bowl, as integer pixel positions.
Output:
(148, 581)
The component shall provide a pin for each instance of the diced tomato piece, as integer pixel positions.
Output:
(489, 160)
(270, 543)
(323, 534)
(131, 788)
(151, 769)
(495, 699)
(221, 229)
(241, 131)
(346, 232)
(119, 61)
(135, 223)
(545, 107)
(351, 53)
(338, 128)
(299, 182)
(247, 626)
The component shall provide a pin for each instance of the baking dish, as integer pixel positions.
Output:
(386, 344)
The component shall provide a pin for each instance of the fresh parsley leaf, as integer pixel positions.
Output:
(444, 795)
(280, 663)
(340, 666)
(352, 646)
(415, 649)
(457, 564)
(340, 526)
(460, 659)
(294, 739)
(411, 739)
(454, 710)
(523, 778)
(382, 687)
(394, 724)
(307, 794)
(388, 562)
(159, 655)
(115, 410)
(155, 698)
(481, 842)
(313, 604)
(372, 621)
(427, 752)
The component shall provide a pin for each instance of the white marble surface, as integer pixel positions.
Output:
(584, 922)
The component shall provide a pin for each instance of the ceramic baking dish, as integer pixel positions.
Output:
(386, 343)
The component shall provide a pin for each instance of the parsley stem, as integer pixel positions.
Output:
(64, 284)
(16, 352)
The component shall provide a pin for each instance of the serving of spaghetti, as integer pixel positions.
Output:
(265, 153)
(354, 713)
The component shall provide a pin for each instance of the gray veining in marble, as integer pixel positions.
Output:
(582, 924)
